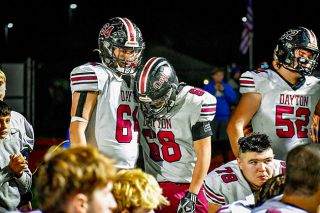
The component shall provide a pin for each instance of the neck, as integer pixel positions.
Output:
(307, 203)
(290, 76)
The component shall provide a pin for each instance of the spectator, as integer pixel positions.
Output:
(19, 123)
(78, 179)
(226, 96)
(15, 177)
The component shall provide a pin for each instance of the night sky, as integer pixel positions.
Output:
(44, 31)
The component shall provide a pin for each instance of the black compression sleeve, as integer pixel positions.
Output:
(81, 102)
(201, 130)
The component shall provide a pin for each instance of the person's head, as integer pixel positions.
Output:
(78, 179)
(138, 192)
(156, 86)
(263, 66)
(3, 81)
(273, 187)
(297, 50)
(256, 159)
(5, 116)
(303, 171)
(217, 75)
(121, 45)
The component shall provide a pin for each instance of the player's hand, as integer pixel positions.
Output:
(188, 203)
(17, 164)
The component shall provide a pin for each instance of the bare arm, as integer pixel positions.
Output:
(213, 208)
(203, 151)
(77, 128)
(247, 107)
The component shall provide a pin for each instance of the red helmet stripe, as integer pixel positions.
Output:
(130, 30)
(144, 75)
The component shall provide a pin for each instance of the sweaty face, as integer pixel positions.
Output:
(102, 200)
(257, 167)
(4, 126)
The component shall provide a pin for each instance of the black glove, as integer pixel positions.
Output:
(188, 203)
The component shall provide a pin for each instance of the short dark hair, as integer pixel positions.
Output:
(303, 170)
(254, 142)
(4, 109)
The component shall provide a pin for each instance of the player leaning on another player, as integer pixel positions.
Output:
(174, 121)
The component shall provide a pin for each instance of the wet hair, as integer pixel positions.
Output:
(4, 109)
(254, 142)
(273, 187)
(303, 170)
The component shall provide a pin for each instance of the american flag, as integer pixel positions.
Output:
(247, 33)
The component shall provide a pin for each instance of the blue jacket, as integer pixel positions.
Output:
(224, 102)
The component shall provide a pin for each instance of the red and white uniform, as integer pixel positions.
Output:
(168, 144)
(285, 114)
(113, 127)
(274, 205)
(227, 184)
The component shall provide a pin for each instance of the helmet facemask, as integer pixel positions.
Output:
(298, 51)
(115, 41)
(159, 108)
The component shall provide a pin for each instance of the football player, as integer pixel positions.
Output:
(103, 109)
(281, 103)
(238, 179)
(302, 184)
(174, 121)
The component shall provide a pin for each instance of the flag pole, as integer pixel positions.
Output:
(250, 50)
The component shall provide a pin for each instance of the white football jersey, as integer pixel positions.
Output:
(167, 143)
(113, 126)
(285, 114)
(227, 184)
(274, 205)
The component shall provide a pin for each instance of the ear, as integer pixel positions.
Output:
(239, 162)
(79, 203)
(276, 65)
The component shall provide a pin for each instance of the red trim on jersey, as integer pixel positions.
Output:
(246, 82)
(214, 196)
(83, 78)
(144, 75)
(213, 109)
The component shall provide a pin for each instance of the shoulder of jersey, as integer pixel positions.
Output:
(197, 95)
(250, 78)
(312, 80)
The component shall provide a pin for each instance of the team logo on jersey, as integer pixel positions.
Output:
(289, 35)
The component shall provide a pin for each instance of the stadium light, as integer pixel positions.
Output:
(73, 6)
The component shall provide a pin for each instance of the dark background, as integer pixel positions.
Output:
(210, 33)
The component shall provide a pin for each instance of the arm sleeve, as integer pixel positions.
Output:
(5, 175)
(208, 108)
(84, 78)
(248, 82)
(211, 189)
(24, 182)
(201, 130)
